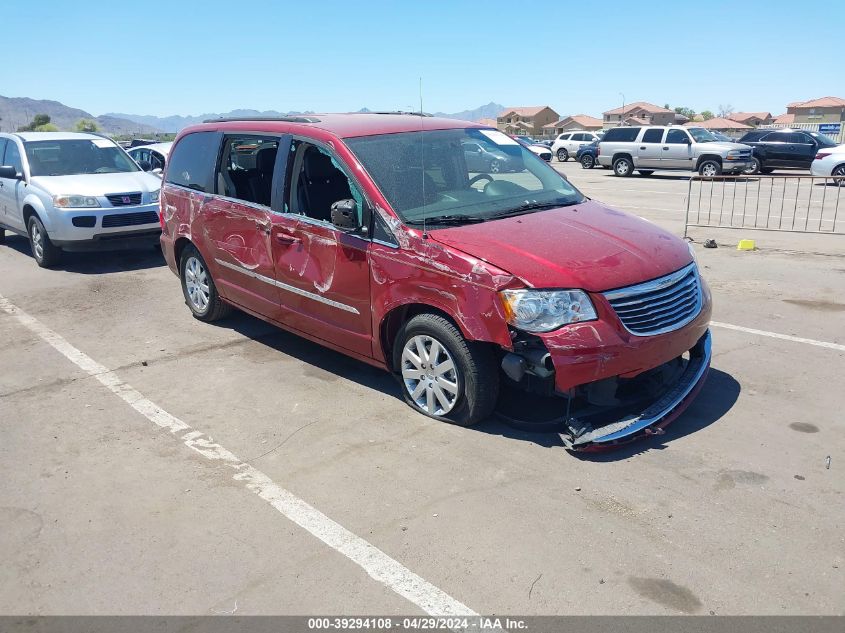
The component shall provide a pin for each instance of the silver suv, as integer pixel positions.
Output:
(647, 149)
(69, 191)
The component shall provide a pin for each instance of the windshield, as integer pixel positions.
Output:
(70, 157)
(823, 140)
(460, 176)
(701, 135)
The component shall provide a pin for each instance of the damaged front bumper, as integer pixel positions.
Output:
(582, 435)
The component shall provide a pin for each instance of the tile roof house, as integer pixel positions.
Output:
(638, 113)
(823, 110)
(525, 120)
(573, 122)
(752, 118)
(487, 122)
(784, 119)
(720, 124)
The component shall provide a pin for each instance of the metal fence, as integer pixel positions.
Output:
(800, 204)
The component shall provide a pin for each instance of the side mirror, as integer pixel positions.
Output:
(157, 171)
(8, 171)
(145, 165)
(344, 214)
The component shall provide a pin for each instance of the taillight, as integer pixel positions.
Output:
(821, 155)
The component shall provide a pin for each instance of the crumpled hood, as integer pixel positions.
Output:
(97, 184)
(589, 246)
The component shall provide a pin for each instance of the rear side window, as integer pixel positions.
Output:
(192, 161)
(774, 137)
(621, 134)
(652, 136)
(13, 157)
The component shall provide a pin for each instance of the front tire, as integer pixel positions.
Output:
(198, 287)
(838, 175)
(754, 168)
(623, 167)
(495, 167)
(45, 253)
(562, 155)
(710, 168)
(441, 374)
(587, 161)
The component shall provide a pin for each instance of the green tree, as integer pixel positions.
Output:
(40, 121)
(687, 112)
(707, 115)
(87, 125)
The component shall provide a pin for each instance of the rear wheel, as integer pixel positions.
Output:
(710, 168)
(443, 375)
(646, 172)
(199, 289)
(46, 253)
(587, 161)
(623, 167)
(562, 155)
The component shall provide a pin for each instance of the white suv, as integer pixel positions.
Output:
(69, 191)
(568, 144)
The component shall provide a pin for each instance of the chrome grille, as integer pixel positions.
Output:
(124, 199)
(660, 305)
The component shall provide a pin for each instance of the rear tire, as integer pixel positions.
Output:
(45, 253)
(464, 372)
(623, 167)
(710, 168)
(198, 287)
(562, 155)
(2, 235)
(587, 161)
(646, 172)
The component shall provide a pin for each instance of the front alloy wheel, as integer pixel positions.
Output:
(838, 175)
(587, 161)
(429, 374)
(495, 167)
(562, 155)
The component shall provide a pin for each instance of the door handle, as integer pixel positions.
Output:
(642, 146)
(284, 238)
(665, 149)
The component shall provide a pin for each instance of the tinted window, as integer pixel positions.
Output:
(13, 157)
(192, 161)
(2, 148)
(676, 137)
(564, 137)
(794, 137)
(652, 136)
(622, 134)
(804, 138)
(774, 137)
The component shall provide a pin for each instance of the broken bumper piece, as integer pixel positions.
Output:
(581, 436)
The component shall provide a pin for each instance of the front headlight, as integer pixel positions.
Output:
(76, 202)
(154, 195)
(546, 310)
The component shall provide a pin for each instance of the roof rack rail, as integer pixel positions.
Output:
(286, 119)
(408, 112)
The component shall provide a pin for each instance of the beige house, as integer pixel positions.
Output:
(824, 110)
(573, 122)
(752, 118)
(638, 113)
(528, 121)
(719, 124)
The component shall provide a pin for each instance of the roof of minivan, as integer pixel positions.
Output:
(55, 136)
(345, 125)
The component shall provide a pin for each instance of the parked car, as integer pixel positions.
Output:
(830, 162)
(73, 191)
(151, 158)
(646, 149)
(486, 159)
(587, 155)
(137, 142)
(784, 148)
(722, 137)
(368, 233)
(568, 144)
(541, 150)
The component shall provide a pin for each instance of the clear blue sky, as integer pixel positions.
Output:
(196, 57)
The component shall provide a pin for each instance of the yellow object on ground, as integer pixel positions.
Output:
(746, 245)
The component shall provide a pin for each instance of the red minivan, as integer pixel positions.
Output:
(446, 253)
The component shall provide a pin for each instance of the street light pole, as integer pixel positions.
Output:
(622, 114)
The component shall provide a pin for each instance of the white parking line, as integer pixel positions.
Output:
(372, 560)
(784, 337)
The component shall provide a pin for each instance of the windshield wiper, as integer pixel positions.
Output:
(452, 220)
(531, 206)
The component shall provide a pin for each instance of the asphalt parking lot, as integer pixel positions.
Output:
(134, 439)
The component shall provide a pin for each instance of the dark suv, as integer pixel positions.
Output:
(783, 148)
